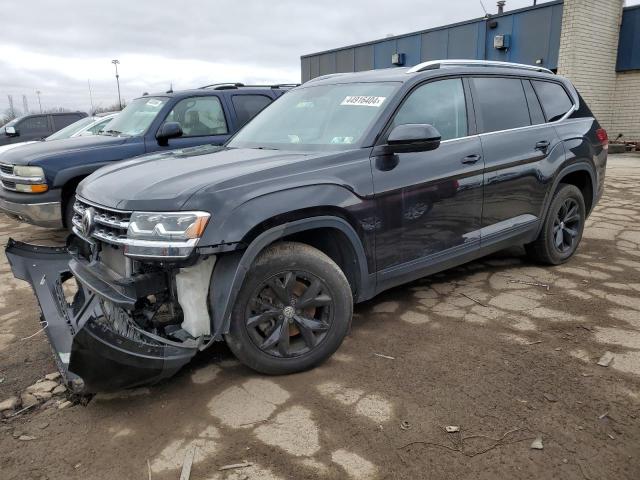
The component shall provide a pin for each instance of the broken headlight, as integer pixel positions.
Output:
(164, 234)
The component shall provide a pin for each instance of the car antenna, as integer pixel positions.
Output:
(170, 88)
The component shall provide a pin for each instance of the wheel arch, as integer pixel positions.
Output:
(321, 232)
(582, 175)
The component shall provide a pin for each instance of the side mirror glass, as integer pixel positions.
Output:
(167, 131)
(414, 138)
(11, 131)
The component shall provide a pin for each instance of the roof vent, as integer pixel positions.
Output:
(501, 4)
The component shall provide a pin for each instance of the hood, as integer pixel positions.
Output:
(11, 146)
(165, 181)
(34, 153)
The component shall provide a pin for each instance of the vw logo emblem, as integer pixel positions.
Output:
(87, 221)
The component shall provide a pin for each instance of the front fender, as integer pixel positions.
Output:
(234, 225)
(232, 268)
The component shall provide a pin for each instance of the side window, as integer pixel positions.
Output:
(441, 104)
(500, 103)
(248, 106)
(61, 121)
(199, 116)
(37, 124)
(537, 117)
(554, 99)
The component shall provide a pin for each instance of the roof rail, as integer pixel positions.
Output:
(435, 64)
(231, 85)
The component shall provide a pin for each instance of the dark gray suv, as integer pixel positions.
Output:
(36, 126)
(347, 186)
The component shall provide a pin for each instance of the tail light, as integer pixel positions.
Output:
(602, 136)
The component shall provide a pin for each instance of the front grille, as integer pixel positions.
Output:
(8, 169)
(109, 225)
(9, 185)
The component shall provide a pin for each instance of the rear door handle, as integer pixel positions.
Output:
(471, 159)
(542, 145)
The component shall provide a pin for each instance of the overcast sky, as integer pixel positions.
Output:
(57, 46)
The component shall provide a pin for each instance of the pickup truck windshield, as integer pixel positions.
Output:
(135, 118)
(324, 117)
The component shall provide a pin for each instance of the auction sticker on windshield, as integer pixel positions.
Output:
(363, 101)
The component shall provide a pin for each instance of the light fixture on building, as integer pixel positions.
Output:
(539, 61)
(397, 59)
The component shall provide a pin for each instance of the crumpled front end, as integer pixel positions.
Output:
(98, 342)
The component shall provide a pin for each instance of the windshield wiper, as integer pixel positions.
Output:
(114, 133)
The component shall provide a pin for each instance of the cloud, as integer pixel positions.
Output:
(55, 47)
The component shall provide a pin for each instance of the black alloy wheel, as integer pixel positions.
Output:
(289, 314)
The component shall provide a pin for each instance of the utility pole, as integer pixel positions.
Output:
(90, 96)
(12, 112)
(115, 63)
(39, 102)
(25, 104)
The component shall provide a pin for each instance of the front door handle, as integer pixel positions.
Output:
(542, 145)
(471, 159)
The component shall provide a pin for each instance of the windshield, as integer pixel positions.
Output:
(136, 117)
(326, 117)
(69, 130)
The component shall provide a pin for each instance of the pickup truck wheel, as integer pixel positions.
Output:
(562, 229)
(292, 312)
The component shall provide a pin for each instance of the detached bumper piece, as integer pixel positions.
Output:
(97, 346)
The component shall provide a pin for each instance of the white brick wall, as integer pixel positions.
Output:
(588, 52)
(626, 107)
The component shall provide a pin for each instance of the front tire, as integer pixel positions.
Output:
(69, 212)
(562, 229)
(292, 312)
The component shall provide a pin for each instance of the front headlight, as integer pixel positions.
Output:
(25, 171)
(164, 234)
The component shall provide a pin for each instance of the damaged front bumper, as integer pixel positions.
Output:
(96, 348)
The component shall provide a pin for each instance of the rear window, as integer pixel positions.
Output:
(500, 104)
(554, 98)
(61, 121)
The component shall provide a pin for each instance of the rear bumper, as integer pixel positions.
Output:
(43, 210)
(94, 351)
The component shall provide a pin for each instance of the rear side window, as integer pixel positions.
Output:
(37, 124)
(248, 106)
(554, 99)
(500, 104)
(440, 104)
(61, 121)
(537, 116)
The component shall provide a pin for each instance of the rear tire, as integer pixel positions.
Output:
(292, 312)
(562, 229)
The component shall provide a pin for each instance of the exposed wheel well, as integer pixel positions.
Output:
(335, 244)
(582, 180)
(67, 192)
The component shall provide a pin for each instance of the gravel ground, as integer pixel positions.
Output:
(505, 350)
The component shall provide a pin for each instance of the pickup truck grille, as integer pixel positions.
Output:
(108, 225)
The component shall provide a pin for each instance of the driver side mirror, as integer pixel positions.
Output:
(413, 138)
(167, 131)
(11, 132)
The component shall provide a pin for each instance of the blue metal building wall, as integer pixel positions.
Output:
(534, 31)
(629, 44)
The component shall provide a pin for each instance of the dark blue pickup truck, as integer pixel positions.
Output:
(39, 180)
